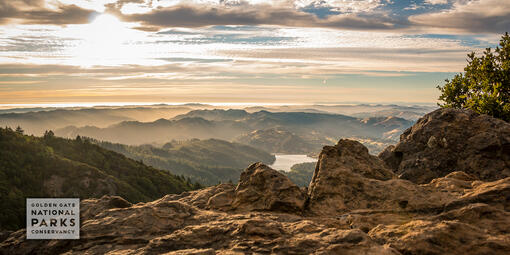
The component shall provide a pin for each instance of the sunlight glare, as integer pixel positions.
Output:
(105, 40)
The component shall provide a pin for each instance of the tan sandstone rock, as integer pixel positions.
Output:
(264, 189)
(347, 178)
(448, 140)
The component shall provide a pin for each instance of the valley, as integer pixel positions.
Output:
(210, 144)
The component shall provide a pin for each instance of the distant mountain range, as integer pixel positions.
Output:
(410, 112)
(160, 131)
(313, 128)
(38, 122)
(55, 167)
(375, 125)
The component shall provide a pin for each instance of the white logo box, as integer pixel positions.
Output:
(53, 218)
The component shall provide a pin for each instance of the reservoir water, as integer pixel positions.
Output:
(286, 161)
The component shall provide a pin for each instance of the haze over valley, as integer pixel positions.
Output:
(166, 123)
(211, 144)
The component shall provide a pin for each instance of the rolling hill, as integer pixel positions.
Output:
(207, 161)
(278, 140)
(55, 167)
(313, 128)
(37, 120)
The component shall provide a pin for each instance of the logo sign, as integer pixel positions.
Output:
(53, 218)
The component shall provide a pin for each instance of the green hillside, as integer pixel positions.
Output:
(55, 167)
(302, 173)
(207, 161)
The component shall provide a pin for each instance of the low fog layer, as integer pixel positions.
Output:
(301, 129)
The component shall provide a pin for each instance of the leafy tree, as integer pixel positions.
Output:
(485, 85)
(49, 134)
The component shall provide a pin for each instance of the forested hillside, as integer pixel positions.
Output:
(55, 167)
(207, 161)
(302, 173)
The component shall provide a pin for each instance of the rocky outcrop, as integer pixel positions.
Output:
(217, 197)
(455, 214)
(449, 140)
(169, 226)
(474, 219)
(348, 178)
(91, 207)
(355, 205)
(350, 156)
(261, 188)
(443, 237)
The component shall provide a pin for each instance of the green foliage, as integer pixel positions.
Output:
(208, 162)
(485, 85)
(48, 134)
(301, 174)
(19, 130)
(56, 167)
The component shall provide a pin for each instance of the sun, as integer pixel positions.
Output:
(102, 41)
(105, 26)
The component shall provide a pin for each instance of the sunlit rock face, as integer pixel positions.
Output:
(354, 205)
(261, 188)
(347, 178)
(449, 140)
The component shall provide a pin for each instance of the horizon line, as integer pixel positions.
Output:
(249, 104)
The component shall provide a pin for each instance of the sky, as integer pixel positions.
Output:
(239, 51)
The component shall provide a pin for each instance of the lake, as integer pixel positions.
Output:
(285, 161)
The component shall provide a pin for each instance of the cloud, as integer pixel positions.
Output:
(459, 16)
(489, 16)
(200, 15)
(478, 16)
(349, 60)
(343, 6)
(434, 2)
(37, 12)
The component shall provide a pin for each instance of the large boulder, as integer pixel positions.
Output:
(261, 188)
(449, 140)
(347, 178)
(351, 156)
